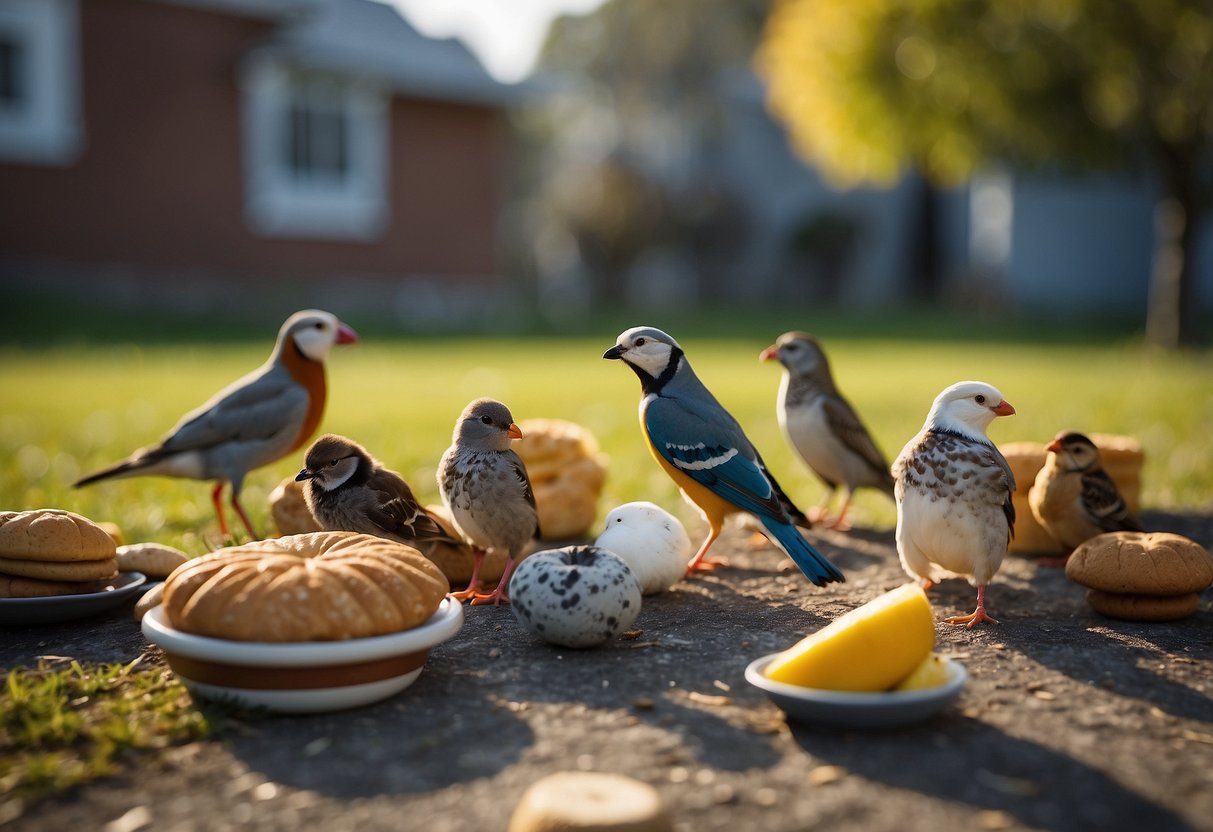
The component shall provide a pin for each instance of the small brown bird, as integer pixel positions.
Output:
(258, 419)
(347, 489)
(1073, 498)
(485, 485)
(823, 427)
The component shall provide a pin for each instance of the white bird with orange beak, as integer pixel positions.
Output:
(258, 419)
(954, 511)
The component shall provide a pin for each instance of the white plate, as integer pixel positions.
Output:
(303, 677)
(51, 609)
(843, 709)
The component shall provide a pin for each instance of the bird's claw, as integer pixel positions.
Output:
(464, 594)
(972, 619)
(705, 565)
(495, 598)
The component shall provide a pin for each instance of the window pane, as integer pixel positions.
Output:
(12, 82)
(316, 136)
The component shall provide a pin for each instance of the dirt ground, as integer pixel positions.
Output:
(1069, 720)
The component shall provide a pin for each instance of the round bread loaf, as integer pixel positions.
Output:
(1130, 607)
(1141, 563)
(53, 535)
(152, 559)
(321, 586)
(567, 472)
(1142, 576)
(289, 509)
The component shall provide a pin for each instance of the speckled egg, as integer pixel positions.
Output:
(651, 540)
(577, 596)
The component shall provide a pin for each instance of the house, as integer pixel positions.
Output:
(258, 141)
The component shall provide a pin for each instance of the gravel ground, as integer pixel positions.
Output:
(1069, 720)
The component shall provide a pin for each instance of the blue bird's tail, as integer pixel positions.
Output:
(811, 562)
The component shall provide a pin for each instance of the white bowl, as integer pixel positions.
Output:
(844, 709)
(301, 677)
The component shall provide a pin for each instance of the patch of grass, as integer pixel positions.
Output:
(65, 725)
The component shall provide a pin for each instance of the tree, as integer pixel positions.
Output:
(871, 87)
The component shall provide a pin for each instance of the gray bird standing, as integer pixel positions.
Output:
(823, 427)
(347, 489)
(258, 419)
(485, 486)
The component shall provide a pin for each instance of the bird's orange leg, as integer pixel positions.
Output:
(473, 588)
(842, 524)
(217, 499)
(978, 615)
(701, 564)
(497, 595)
(244, 517)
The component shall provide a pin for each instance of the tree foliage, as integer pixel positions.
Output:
(870, 87)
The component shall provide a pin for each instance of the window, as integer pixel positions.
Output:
(39, 82)
(315, 154)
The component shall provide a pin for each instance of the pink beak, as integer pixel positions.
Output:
(514, 432)
(345, 335)
(1004, 409)
(1054, 446)
(769, 354)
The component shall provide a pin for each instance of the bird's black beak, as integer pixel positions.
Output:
(305, 474)
(614, 352)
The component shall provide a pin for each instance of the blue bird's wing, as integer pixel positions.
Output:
(707, 445)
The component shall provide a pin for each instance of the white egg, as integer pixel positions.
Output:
(578, 596)
(651, 540)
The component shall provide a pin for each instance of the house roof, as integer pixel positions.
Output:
(371, 39)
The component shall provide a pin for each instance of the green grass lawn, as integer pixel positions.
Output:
(67, 410)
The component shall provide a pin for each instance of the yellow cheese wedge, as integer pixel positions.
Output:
(870, 648)
(931, 673)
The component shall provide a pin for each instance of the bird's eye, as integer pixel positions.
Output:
(640, 342)
(333, 462)
(980, 399)
(488, 420)
(319, 325)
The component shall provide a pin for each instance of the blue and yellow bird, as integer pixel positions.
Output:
(706, 453)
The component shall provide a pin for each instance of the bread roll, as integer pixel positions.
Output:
(311, 587)
(53, 535)
(289, 509)
(152, 559)
(567, 472)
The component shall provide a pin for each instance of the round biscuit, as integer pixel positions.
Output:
(85, 570)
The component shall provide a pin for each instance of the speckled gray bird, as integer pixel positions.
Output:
(485, 486)
(347, 489)
(823, 427)
(954, 510)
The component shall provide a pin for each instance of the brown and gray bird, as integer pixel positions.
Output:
(954, 511)
(485, 485)
(1073, 498)
(347, 489)
(258, 419)
(823, 427)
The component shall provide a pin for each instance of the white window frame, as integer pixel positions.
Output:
(280, 203)
(46, 128)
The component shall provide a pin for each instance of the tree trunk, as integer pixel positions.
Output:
(1171, 317)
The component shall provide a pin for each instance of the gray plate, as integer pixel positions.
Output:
(20, 612)
(842, 709)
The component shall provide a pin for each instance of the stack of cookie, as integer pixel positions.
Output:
(49, 551)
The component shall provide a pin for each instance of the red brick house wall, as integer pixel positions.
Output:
(159, 184)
